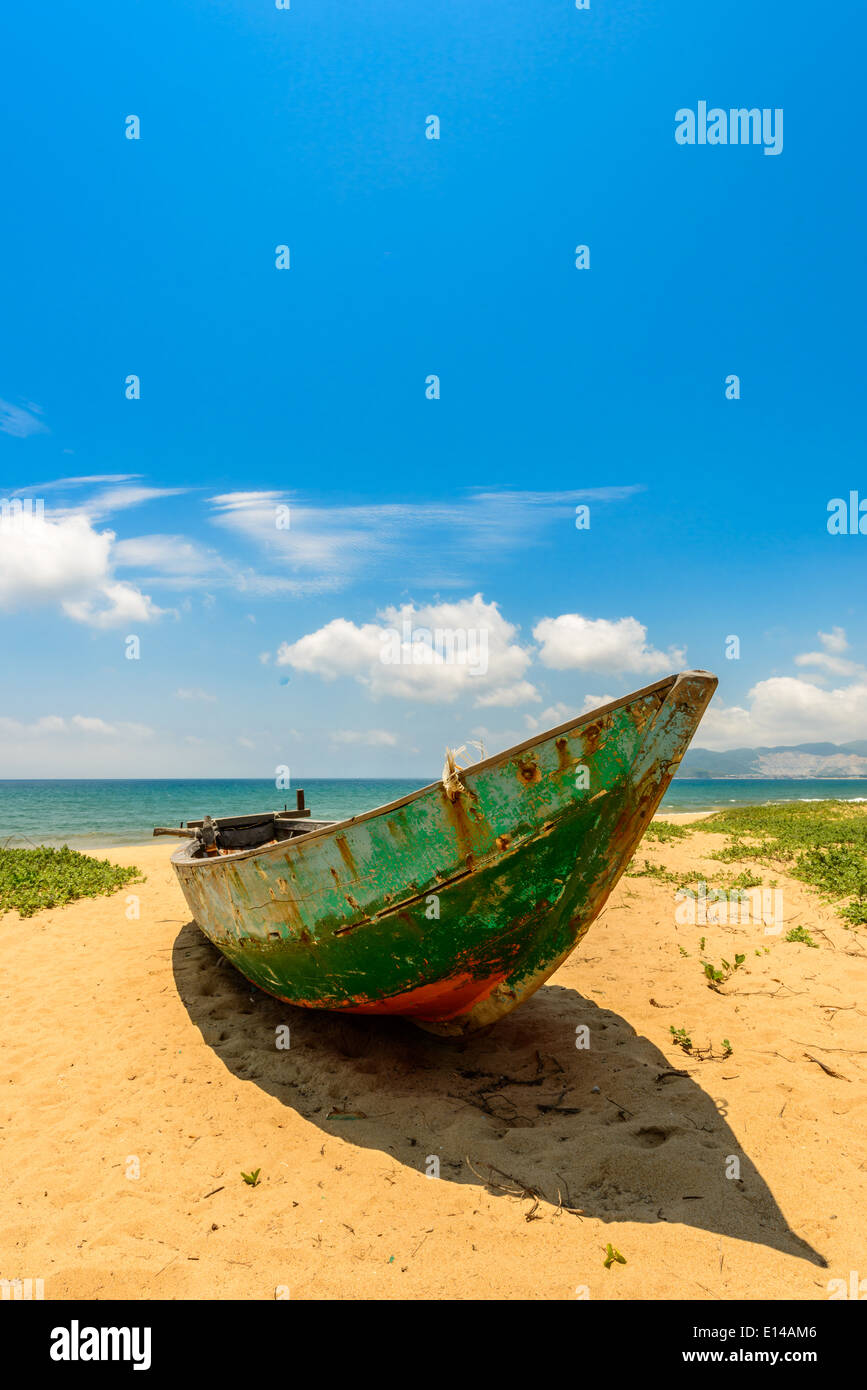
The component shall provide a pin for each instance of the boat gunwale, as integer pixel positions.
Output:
(182, 858)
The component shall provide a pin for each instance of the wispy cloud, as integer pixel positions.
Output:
(369, 738)
(175, 558)
(21, 422)
(439, 544)
(87, 480)
(117, 499)
(831, 658)
(52, 725)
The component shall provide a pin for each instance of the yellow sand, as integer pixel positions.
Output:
(130, 1047)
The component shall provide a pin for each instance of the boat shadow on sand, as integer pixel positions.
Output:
(517, 1109)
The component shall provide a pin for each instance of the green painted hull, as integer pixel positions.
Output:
(452, 911)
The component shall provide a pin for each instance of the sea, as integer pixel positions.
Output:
(91, 813)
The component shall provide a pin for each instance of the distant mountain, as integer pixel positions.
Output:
(798, 760)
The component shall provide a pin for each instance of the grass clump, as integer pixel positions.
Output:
(662, 875)
(802, 936)
(33, 879)
(665, 831)
(822, 843)
(747, 879)
(738, 851)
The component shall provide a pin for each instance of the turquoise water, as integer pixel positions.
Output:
(84, 814)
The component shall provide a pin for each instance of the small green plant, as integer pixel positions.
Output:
(681, 1038)
(715, 977)
(682, 951)
(701, 943)
(801, 935)
(252, 1179)
(613, 1256)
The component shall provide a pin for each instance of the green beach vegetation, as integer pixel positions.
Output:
(664, 831)
(822, 843)
(657, 871)
(33, 879)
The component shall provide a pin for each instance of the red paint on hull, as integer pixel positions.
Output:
(434, 1003)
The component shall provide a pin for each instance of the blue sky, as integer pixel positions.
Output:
(411, 257)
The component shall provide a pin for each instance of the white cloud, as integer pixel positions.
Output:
(787, 710)
(42, 559)
(371, 738)
(118, 605)
(54, 724)
(89, 725)
(507, 696)
(48, 724)
(195, 693)
(552, 716)
(831, 658)
(65, 561)
(835, 640)
(559, 713)
(492, 671)
(572, 642)
(595, 702)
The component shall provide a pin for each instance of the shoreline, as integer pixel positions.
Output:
(96, 815)
(675, 817)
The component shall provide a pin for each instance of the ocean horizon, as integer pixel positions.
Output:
(104, 812)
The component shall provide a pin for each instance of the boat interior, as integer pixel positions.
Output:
(221, 835)
(251, 832)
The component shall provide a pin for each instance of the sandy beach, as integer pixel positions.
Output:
(141, 1077)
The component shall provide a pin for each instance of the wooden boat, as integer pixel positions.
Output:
(453, 904)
